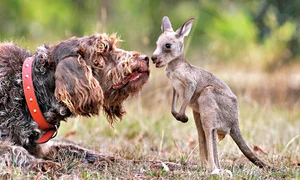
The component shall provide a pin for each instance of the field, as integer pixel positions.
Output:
(151, 144)
(253, 46)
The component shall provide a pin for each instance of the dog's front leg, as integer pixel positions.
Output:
(64, 148)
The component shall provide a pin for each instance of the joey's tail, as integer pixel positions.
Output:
(236, 135)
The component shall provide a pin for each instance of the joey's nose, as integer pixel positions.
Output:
(154, 58)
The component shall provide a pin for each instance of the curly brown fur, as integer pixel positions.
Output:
(78, 76)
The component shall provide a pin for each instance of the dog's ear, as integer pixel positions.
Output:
(77, 88)
(114, 112)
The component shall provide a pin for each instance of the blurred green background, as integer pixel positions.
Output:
(256, 40)
(225, 31)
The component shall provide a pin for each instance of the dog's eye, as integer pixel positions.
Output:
(168, 46)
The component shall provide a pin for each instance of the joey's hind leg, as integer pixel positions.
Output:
(208, 131)
(208, 114)
(201, 139)
(215, 148)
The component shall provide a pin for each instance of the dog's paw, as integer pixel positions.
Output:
(95, 157)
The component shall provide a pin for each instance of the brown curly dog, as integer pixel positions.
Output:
(78, 76)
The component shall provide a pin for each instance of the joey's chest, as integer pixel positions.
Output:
(178, 79)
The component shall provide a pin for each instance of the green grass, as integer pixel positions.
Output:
(149, 138)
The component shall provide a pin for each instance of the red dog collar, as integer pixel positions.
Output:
(32, 103)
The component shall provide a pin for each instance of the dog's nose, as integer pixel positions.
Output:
(145, 58)
(154, 58)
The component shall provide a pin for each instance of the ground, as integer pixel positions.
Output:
(151, 144)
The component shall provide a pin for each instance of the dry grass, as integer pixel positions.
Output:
(156, 146)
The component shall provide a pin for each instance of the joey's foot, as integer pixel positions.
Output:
(222, 173)
(183, 118)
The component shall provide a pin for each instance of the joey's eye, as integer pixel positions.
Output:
(168, 46)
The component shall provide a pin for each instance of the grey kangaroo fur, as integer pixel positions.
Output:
(215, 107)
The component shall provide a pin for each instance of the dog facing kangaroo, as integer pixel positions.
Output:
(215, 107)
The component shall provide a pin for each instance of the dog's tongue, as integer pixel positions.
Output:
(133, 76)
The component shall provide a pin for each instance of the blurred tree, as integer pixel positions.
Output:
(285, 10)
(223, 31)
(10, 16)
(34, 18)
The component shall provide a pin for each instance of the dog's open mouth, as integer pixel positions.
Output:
(133, 77)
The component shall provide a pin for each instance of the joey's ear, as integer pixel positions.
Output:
(77, 88)
(166, 24)
(185, 29)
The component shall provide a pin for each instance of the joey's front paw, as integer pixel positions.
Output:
(183, 118)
